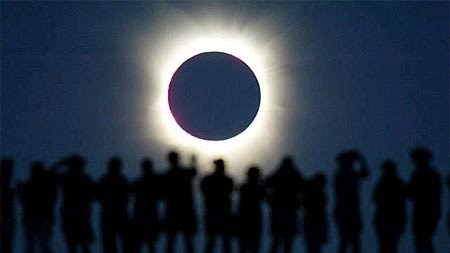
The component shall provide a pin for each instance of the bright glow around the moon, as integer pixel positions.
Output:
(180, 38)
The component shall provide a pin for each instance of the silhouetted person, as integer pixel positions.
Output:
(425, 193)
(315, 205)
(448, 213)
(7, 205)
(249, 216)
(179, 207)
(112, 192)
(284, 187)
(146, 191)
(347, 212)
(390, 216)
(217, 188)
(38, 198)
(78, 194)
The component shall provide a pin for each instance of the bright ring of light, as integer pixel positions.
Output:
(179, 42)
(247, 133)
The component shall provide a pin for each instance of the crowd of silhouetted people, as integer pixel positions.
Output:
(163, 203)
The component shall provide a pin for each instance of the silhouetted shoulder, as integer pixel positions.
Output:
(425, 182)
(7, 212)
(7, 191)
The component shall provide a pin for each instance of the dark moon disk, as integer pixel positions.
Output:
(214, 96)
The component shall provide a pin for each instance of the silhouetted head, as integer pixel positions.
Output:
(6, 170)
(421, 156)
(319, 181)
(253, 174)
(173, 158)
(389, 168)
(146, 167)
(37, 169)
(287, 164)
(220, 166)
(347, 158)
(115, 166)
(76, 163)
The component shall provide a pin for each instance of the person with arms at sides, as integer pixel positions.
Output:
(38, 198)
(178, 198)
(448, 212)
(283, 193)
(7, 210)
(425, 193)
(315, 206)
(347, 211)
(217, 188)
(112, 192)
(249, 215)
(146, 190)
(390, 215)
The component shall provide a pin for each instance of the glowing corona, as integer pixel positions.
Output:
(177, 41)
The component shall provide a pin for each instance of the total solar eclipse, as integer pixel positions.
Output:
(214, 96)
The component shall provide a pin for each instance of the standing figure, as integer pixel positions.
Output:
(146, 191)
(346, 213)
(112, 192)
(283, 189)
(448, 213)
(38, 198)
(78, 194)
(315, 204)
(425, 193)
(6, 206)
(179, 204)
(217, 188)
(390, 214)
(249, 214)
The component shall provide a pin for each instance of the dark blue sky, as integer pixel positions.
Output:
(373, 76)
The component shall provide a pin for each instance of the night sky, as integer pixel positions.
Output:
(372, 76)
